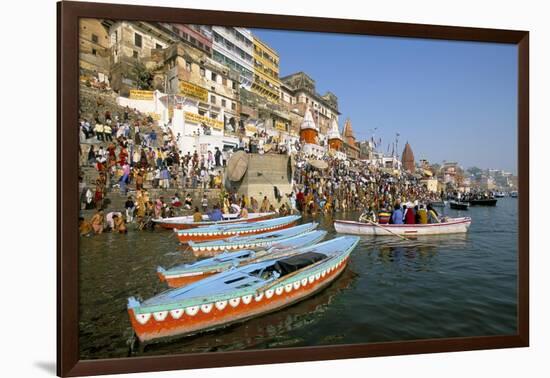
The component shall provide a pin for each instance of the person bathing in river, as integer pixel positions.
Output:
(97, 222)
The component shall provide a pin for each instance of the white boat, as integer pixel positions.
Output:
(450, 226)
(185, 222)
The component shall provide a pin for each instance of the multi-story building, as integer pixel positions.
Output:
(94, 48)
(133, 44)
(266, 71)
(206, 90)
(198, 36)
(234, 47)
(298, 93)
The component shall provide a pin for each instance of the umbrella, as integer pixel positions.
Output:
(237, 166)
(319, 164)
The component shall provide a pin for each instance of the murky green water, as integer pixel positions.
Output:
(433, 287)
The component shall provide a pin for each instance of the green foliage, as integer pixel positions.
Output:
(143, 77)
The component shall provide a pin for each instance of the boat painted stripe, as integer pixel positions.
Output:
(451, 223)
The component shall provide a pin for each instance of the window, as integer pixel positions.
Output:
(213, 99)
(193, 40)
(213, 115)
(137, 40)
(224, 103)
(214, 76)
(233, 106)
(95, 39)
(157, 46)
(201, 46)
(94, 52)
(224, 81)
(135, 54)
(188, 66)
(202, 112)
(234, 85)
(202, 71)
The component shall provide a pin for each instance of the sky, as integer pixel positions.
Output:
(452, 101)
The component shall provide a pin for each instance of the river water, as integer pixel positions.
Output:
(432, 287)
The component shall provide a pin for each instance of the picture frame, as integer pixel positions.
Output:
(68, 361)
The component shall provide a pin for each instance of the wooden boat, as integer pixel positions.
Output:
(451, 226)
(239, 294)
(185, 274)
(483, 202)
(439, 203)
(264, 240)
(224, 231)
(459, 205)
(183, 223)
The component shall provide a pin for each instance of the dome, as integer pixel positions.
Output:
(308, 122)
(407, 158)
(334, 132)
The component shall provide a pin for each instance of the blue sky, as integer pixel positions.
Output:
(453, 101)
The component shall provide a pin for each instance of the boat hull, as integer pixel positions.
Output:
(484, 202)
(182, 322)
(187, 222)
(203, 236)
(455, 226)
(220, 246)
(459, 206)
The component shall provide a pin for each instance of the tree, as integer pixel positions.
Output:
(474, 171)
(142, 76)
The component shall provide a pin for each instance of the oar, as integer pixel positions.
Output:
(385, 229)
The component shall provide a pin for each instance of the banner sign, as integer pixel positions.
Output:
(197, 118)
(280, 125)
(137, 94)
(192, 90)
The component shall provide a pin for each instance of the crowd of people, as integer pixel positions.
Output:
(126, 156)
(348, 185)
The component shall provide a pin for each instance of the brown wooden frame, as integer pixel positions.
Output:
(68, 14)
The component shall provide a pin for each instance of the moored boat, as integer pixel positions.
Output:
(459, 205)
(185, 274)
(224, 231)
(450, 226)
(264, 240)
(514, 194)
(483, 202)
(186, 222)
(239, 294)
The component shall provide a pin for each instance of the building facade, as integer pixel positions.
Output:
(94, 48)
(234, 47)
(266, 81)
(206, 90)
(298, 93)
(133, 45)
